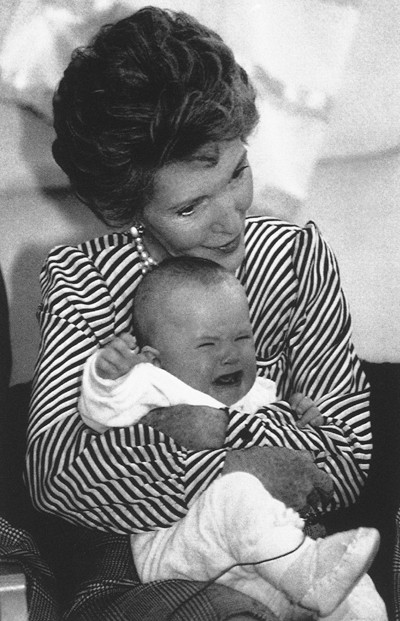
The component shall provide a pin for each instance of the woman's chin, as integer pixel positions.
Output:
(231, 261)
(234, 262)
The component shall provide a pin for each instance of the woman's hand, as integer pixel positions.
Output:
(196, 427)
(289, 475)
(305, 410)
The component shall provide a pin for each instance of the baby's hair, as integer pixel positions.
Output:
(166, 277)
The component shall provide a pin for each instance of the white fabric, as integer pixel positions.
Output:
(295, 54)
(123, 402)
(236, 520)
(363, 604)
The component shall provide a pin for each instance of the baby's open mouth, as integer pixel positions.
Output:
(229, 379)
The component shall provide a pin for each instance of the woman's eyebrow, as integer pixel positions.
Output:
(198, 199)
(188, 202)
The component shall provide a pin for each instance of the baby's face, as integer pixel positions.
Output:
(205, 338)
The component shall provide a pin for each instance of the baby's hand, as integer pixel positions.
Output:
(307, 412)
(118, 357)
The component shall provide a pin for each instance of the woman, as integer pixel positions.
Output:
(151, 124)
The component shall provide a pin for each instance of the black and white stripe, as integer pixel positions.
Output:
(135, 479)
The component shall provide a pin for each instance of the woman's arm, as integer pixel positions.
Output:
(335, 447)
(317, 358)
(129, 479)
(324, 365)
(196, 427)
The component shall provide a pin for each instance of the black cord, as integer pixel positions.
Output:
(218, 576)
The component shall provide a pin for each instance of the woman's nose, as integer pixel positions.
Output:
(228, 214)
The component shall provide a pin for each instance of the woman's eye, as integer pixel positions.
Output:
(206, 345)
(191, 209)
(239, 172)
(186, 211)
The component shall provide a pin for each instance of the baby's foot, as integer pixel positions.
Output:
(322, 577)
(363, 604)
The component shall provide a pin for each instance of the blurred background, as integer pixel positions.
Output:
(327, 148)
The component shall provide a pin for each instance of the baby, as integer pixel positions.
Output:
(199, 341)
(192, 325)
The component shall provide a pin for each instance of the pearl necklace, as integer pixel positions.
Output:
(147, 262)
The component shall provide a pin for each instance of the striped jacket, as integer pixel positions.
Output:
(135, 479)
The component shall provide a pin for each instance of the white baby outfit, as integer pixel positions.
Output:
(124, 401)
(236, 520)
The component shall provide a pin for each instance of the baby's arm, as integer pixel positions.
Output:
(110, 389)
(118, 357)
(305, 410)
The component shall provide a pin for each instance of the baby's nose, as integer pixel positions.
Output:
(230, 354)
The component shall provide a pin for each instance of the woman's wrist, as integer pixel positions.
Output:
(196, 428)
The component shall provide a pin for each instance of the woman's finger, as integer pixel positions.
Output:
(311, 417)
(300, 403)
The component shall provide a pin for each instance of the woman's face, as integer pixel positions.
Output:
(199, 208)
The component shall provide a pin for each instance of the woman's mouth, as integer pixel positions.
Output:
(229, 247)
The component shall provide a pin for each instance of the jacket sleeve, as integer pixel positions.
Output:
(335, 446)
(320, 362)
(127, 480)
(323, 363)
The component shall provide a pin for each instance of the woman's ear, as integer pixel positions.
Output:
(152, 355)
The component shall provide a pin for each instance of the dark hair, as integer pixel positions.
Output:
(167, 276)
(152, 88)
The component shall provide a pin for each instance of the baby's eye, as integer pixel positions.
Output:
(207, 344)
(243, 337)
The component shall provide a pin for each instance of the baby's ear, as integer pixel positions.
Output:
(152, 355)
